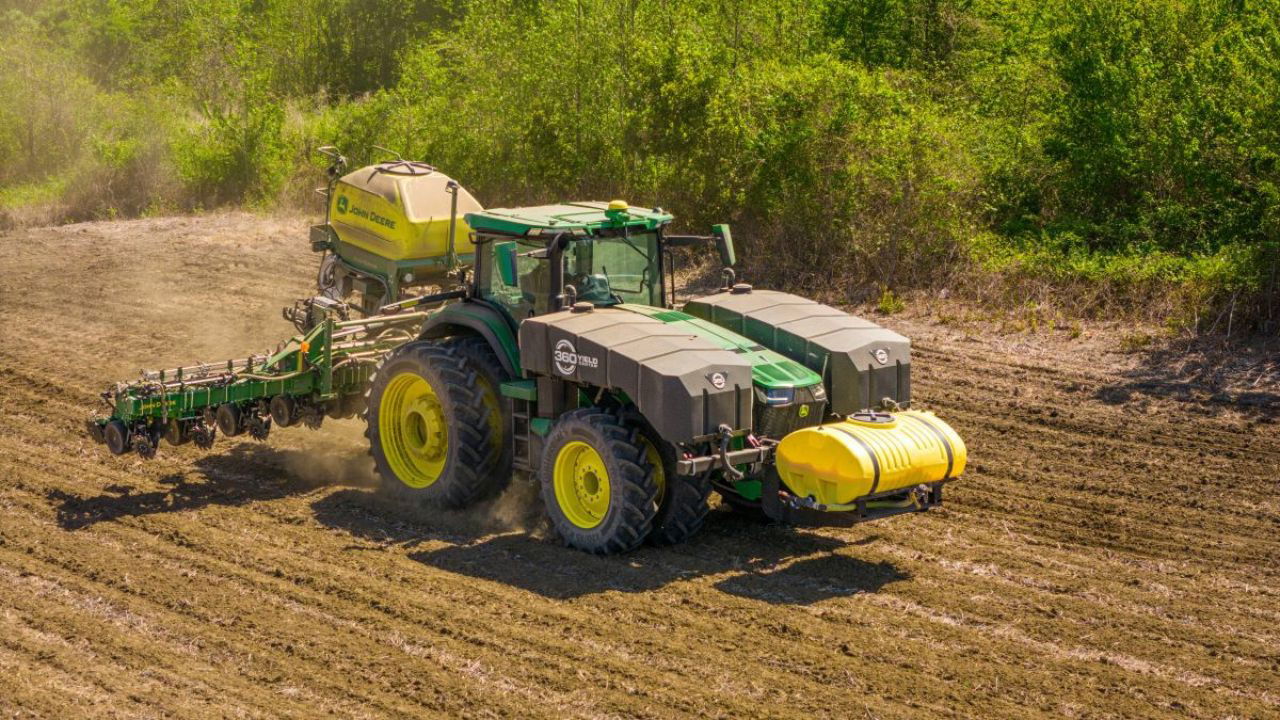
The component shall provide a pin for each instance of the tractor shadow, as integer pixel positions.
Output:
(807, 581)
(765, 562)
(239, 475)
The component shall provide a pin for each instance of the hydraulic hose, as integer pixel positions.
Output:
(726, 435)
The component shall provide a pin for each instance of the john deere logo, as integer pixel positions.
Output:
(567, 358)
(342, 204)
(881, 355)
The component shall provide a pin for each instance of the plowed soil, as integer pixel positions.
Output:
(1113, 551)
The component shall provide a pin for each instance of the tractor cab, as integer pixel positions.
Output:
(531, 261)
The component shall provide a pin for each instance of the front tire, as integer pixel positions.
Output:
(597, 484)
(682, 499)
(428, 430)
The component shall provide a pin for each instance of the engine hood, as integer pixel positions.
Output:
(686, 376)
(863, 364)
(769, 369)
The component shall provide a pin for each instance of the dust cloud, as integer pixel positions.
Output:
(517, 508)
(335, 454)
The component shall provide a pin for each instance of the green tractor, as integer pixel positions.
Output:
(561, 354)
(567, 359)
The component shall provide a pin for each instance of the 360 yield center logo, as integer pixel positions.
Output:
(568, 360)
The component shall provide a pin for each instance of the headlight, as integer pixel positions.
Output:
(779, 396)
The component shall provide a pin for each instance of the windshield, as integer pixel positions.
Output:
(603, 270)
(615, 269)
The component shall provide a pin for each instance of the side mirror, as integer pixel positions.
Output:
(724, 243)
(505, 254)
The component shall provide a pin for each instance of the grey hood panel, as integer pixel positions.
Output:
(685, 386)
(861, 362)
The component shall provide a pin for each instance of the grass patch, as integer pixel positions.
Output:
(1186, 292)
(27, 195)
(889, 303)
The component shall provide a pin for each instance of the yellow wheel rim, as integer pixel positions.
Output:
(582, 484)
(659, 472)
(412, 429)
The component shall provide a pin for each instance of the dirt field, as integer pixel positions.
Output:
(1114, 550)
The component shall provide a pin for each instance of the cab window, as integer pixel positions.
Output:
(615, 269)
(532, 291)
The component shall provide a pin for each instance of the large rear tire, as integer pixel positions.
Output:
(479, 356)
(428, 428)
(597, 484)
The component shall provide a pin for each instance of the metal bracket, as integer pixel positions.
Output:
(745, 456)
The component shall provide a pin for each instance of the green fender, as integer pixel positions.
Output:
(483, 319)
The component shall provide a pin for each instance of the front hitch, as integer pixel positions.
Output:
(782, 506)
(696, 465)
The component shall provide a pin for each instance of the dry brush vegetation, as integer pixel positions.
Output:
(1090, 157)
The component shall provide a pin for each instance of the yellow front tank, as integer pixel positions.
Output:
(839, 462)
(400, 211)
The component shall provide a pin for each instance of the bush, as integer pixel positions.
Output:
(1113, 157)
(1167, 133)
(842, 177)
(44, 126)
(235, 151)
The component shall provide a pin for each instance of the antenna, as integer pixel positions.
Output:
(389, 152)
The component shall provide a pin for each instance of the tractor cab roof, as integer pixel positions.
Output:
(579, 218)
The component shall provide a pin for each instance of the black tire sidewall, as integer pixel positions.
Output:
(684, 505)
(116, 437)
(629, 514)
(481, 357)
(457, 484)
